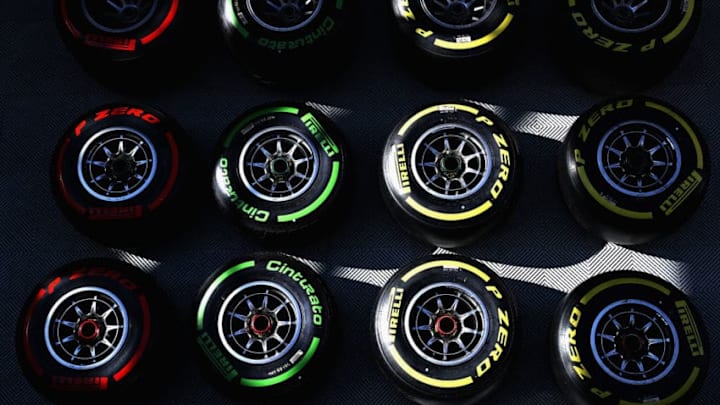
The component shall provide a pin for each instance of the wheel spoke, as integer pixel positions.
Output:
(243, 331)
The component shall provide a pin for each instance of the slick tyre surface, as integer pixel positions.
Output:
(628, 337)
(93, 331)
(445, 329)
(119, 172)
(278, 169)
(124, 43)
(263, 34)
(449, 173)
(455, 29)
(263, 326)
(616, 45)
(633, 169)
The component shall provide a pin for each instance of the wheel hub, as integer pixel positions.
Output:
(291, 13)
(89, 331)
(631, 344)
(261, 324)
(281, 167)
(446, 325)
(636, 161)
(451, 165)
(458, 11)
(121, 167)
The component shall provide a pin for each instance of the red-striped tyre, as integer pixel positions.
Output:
(119, 171)
(90, 331)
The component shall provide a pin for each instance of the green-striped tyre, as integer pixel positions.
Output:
(278, 169)
(262, 326)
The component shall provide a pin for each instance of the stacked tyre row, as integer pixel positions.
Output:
(607, 45)
(445, 330)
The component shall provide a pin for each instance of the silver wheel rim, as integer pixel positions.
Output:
(458, 14)
(117, 164)
(639, 159)
(634, 342)
(445, 324)
(118, 16)
(259, 322)
(278, 165)
(451, 162)
(86, 328)
(284, 15)
(631, 16)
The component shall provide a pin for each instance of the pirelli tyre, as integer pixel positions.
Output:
(628, 337)
(278, 169)
(633, 169)
(445, 330)
(626, 45)
(263, 327)
(450, 173)
(456, 29)
(94, 330)
(267, 36)
(119, 173)
(116, 37)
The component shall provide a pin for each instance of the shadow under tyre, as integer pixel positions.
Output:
(91, 332)
(628, 337)
(450, 173)
(622, 46)
(268, 36)
(113, 38)
(263, 326)
(119, 173)
(445, 329)
(633, 169)
(279, 169)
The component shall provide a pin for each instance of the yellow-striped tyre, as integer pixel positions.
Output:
(627, 337)
(450, 173)
(445, 330)
(633, 169)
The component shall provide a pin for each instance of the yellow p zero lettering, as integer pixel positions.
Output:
(485, 120)
(649, 47)
(579, 19)
(578, 367)
(494, 290)
(600, 393)
(483, 367)
(500, 140)
(407, 13)
(423, 33)
(578, 157)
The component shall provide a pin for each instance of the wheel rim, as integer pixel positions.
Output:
(634, 342)
(450, 162)
(458, 14)
(445, 324)
(278, 165)
(119, 16)
(117, 164)
(639, 159)
(86, 328)
(259, 322)
(631, 16)
(284, 15)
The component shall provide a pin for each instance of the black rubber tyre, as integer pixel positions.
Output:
(466, 314)
(278, 169)
(94, 331)
(616, 47)
(635, 140)
(467, 149)
(280, 41)
(628, 337)
(454, 30)
(119, 173)
(128, 43)
(264, 327)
